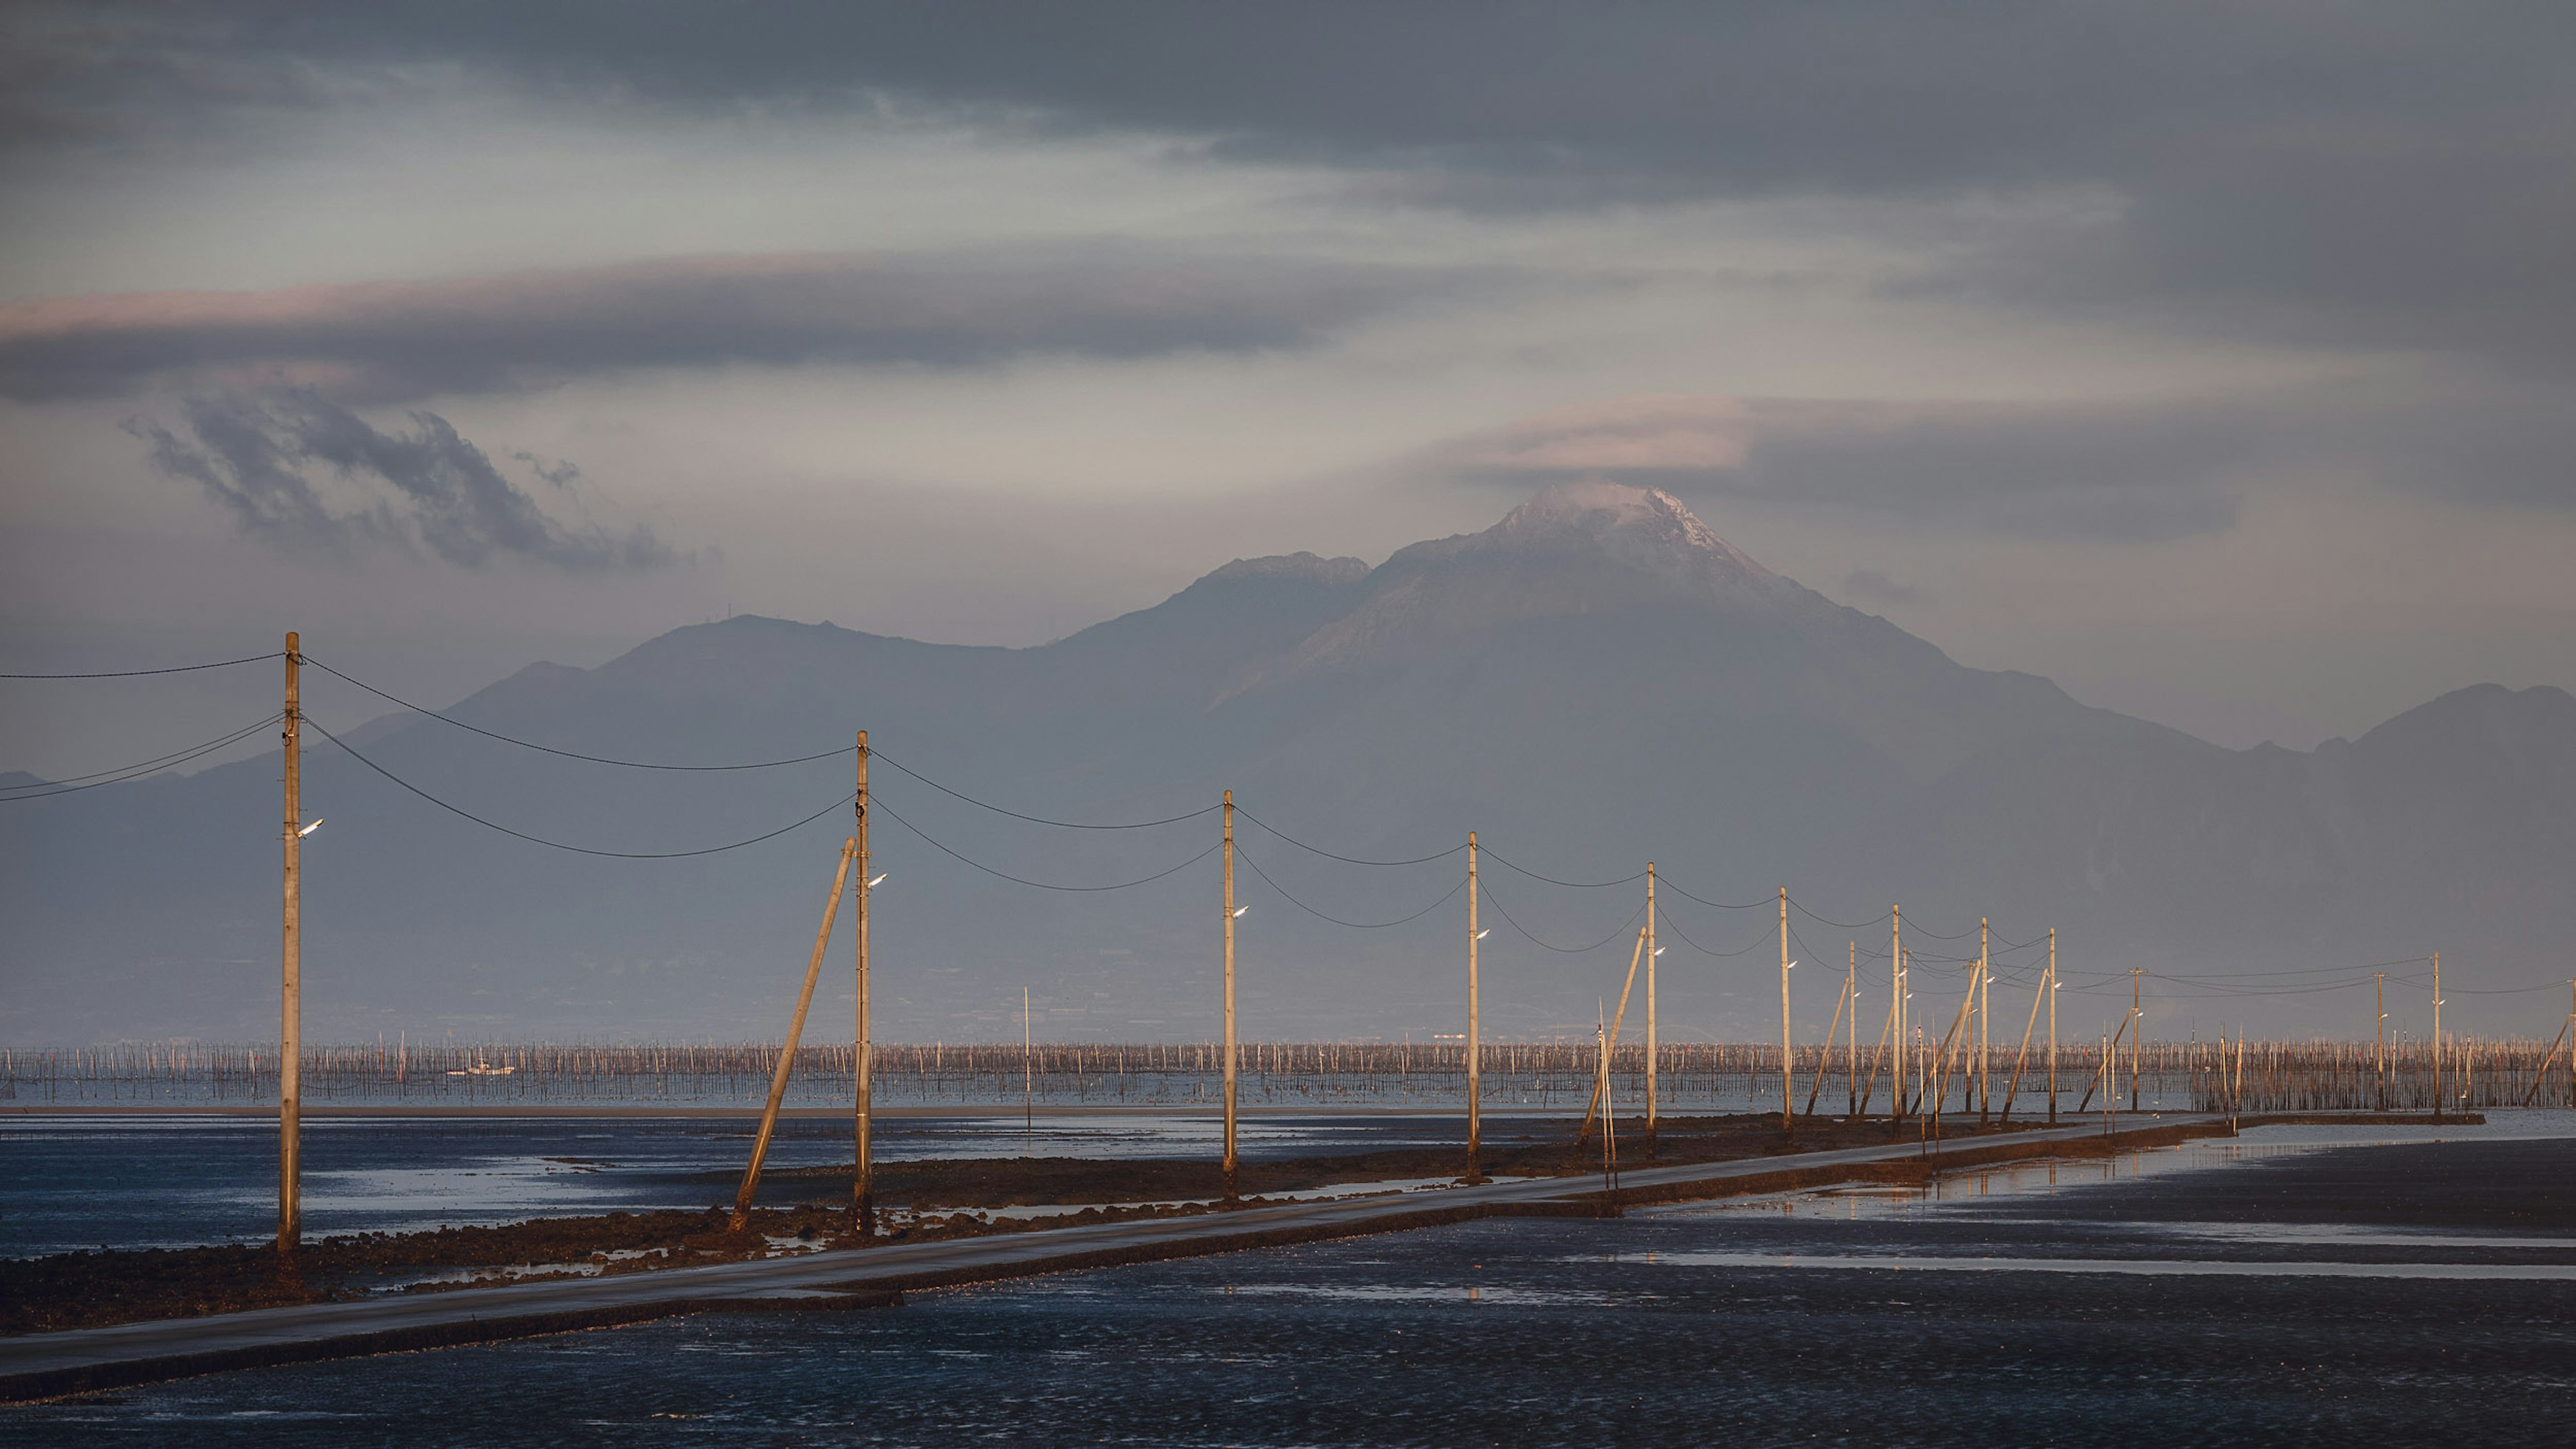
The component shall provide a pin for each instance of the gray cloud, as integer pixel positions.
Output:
(2135, 471)
(2374, 174)
(392, 341)
(261, 457)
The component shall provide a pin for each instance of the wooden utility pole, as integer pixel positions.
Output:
(2137, 1015)
(2052, 1026)
(1229, 996)
(1851, 1034)
(863, 1053)
(1788, 1107)
(2379, 1051)
(290, 960)
(1601, 1093)
(1028, 1080)
(787, 1053)
(2437, 1036)
(1475, 1037)
(1985, 1049)
(1652, 951)
(1896, 1014)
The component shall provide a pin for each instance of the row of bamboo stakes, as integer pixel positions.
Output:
(2278, 1075)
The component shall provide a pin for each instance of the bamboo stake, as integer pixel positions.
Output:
(1613, 1038)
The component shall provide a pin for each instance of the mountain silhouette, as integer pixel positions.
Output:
(1596, 681)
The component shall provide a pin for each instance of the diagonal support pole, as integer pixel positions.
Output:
(787, 1053)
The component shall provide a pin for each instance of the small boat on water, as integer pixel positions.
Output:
(482, 1068)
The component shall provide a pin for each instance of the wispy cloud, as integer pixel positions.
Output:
(296, 467)
(392, 341)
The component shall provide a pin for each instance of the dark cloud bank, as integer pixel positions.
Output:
(2360, 175)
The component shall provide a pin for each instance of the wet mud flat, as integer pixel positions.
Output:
(1648, 1329)
(805, 1211)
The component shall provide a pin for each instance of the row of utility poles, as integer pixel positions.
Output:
(1929, 1075)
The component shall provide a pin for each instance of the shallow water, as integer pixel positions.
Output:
(1808, 1317)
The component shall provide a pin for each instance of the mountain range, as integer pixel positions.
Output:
(1596, 681)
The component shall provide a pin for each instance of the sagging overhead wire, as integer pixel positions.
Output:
(1665, 921)
(842, 803)
(1620, 930)
(878, 804)
(570, 754)
(1246, 857)
(1801, 909)
(173, 669)
(1580, 885)
(45, 789)
(1346, 859)
(882, 757)
(1667, 883)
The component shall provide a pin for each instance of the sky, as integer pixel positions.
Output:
(2211, 360)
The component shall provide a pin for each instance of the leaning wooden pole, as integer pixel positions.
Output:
(1825, 1055)
(1611, 1039)
(795, 1034)
(2013, 1087)
(290, 960)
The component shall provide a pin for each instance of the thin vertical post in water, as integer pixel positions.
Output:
(290, 961)
(863, 1052)
(787, 1053)
(1652, 1045)
(1475, 1036)
(1028, 1079)
(1788, 1107)
(1229, 996)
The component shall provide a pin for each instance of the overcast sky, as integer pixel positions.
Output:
(2211, 360)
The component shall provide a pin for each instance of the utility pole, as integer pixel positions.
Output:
(863, 1056)
(2137, 1029)
(1896, 1013)
(1985, 1054)
(2437, 1036)
(2052, 1026)
(1475, 1037)
(1652, 951)
(1851, 1034)
(1028, 1080)
(290, 959)
(1788, 1121)
(1229, 996)
(2379, 1052)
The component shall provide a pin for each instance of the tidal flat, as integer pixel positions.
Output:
(2349, 1285)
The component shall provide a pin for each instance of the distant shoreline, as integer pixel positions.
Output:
(750, 1111)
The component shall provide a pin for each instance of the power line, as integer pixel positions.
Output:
(568, 754)
(560, 845)
(1580, 885)
(880, 755)
(39, 790)
(1837, 925)
(1663, 920)
(173, 669)
(1615, 934)
(880, 804)
(1667, 883)
(1246, 857)
(1348, 859)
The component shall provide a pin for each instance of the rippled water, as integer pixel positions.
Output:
(1808, 1318)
